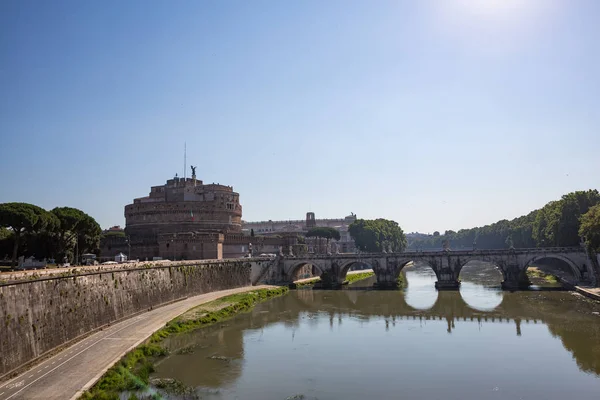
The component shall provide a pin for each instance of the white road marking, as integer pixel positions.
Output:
(64, 362)
(11, 385)
(31, 376)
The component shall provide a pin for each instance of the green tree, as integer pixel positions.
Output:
(324, 232)
(252, 232)
(377, 235)
(75, 229)
(22, 218)
(436, 233)
(114, 234)
(557, 223)
(590, 228)
(6, 242)
(5, 233)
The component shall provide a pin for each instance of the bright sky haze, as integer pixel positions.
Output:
(440, 115)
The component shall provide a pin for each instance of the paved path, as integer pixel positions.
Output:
(75, 369)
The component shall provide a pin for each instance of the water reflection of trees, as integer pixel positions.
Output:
(570, 320)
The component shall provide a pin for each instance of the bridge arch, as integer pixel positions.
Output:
(490, 265)
(345, 267)
(418, 264)
(296, 268)
(572, 266)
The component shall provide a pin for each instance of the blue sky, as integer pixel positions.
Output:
(439, 114)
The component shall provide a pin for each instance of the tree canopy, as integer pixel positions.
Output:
(5, 233)
(22, 218)
(377, 235)
(114, 234)
(323, 232)
(31, 230)
(75, 228)
(555, 224)
(590, 228)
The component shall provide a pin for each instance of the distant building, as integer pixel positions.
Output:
(301, 227)
(112, 242)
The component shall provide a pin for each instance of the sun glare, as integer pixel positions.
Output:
(495, 8)
(497, 22)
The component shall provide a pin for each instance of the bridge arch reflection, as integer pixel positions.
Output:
(481, 285)
(420, 281)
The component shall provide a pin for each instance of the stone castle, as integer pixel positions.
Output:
(186, 219)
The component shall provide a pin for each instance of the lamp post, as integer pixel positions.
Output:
(129, 246)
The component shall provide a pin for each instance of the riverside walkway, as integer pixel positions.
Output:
(71, 371)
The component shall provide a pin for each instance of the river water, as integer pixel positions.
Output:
(416, 343)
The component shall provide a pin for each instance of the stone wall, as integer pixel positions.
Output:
(39, 315)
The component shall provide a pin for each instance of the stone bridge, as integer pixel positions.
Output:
(512, 263)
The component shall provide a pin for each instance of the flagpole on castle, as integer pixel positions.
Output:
(184, 160)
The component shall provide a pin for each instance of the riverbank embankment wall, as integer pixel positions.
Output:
(40, 315)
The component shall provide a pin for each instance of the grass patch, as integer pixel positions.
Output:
(536, 273)
(132, 373)
(306, 283)
(351, 278)
(232, 305)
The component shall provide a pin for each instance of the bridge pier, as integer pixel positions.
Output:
(329, 280)
(386, 285)
(387, 275)
(447, 285)
(515, 278)
(447, 271)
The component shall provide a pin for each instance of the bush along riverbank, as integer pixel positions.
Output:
(402, 280)
(132, 374)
